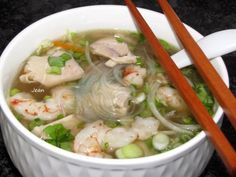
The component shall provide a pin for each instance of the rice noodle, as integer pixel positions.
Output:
(168, 132)
(98, 93)
(150, 63)
(190, 127)
(88, 57)
(118, 74)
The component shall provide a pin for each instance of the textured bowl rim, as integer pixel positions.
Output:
(77, 158)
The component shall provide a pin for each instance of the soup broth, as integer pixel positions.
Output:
(102, 93)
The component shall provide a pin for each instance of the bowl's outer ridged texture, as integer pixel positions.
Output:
(32, 162)
(35, 158)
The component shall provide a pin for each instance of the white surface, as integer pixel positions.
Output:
(213, 45)
(36, 158)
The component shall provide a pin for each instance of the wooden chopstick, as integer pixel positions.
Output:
(221, 144)
(217, 86)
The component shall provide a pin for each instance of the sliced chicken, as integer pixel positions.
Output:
(36, 71)
(117, 52)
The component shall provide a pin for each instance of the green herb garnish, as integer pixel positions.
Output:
(139, 61)
(58, 135)
(168, 47)
(60, 116)
(188, 120)
(56, 61)
(34, 123)
(14, 91)
(119, 39)
(18, 116)
(205, 96)
(105, 146)
(138, 36)
(54, 70)
(82, 42)
(66, 146)
(80, 125)
(112, 124)
(65, 57)
(46, 97)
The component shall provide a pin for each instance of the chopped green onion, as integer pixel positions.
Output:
(146, 112)
(77, 55)
(82, 42)
(159, 104)
(46, 97)
(59, 61)
(43, 47)
(148, 142)
(105, 146)
(119, 39)
(185, 137)
(205, 96)
(60, 116)
(138, 36)
(188, 120)
(71, 36)
(54, 70)
(129, 151)
(160, 141)
(168, 47)
(112, 124)
(14, 91)
(34, 123)
(56, 61)
(139, 61)
(80, 125)
(65, 57)
(146, 89)
(18, 116)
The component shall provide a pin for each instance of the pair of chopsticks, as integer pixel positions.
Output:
(213, 80)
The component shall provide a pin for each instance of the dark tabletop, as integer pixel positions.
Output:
(206, 16)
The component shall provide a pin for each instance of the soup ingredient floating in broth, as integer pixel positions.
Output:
(105, 96)
(61, 102)
(116, 50)
(51, 70)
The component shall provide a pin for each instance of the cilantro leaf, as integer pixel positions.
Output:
(58, 136)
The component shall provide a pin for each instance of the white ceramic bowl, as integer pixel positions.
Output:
(35, 158)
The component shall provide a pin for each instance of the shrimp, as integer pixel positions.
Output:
(145, 127)
(119, 137)
(170, 97)
(65, 98)
(60, 103)
(91, 140)
(134, 75)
